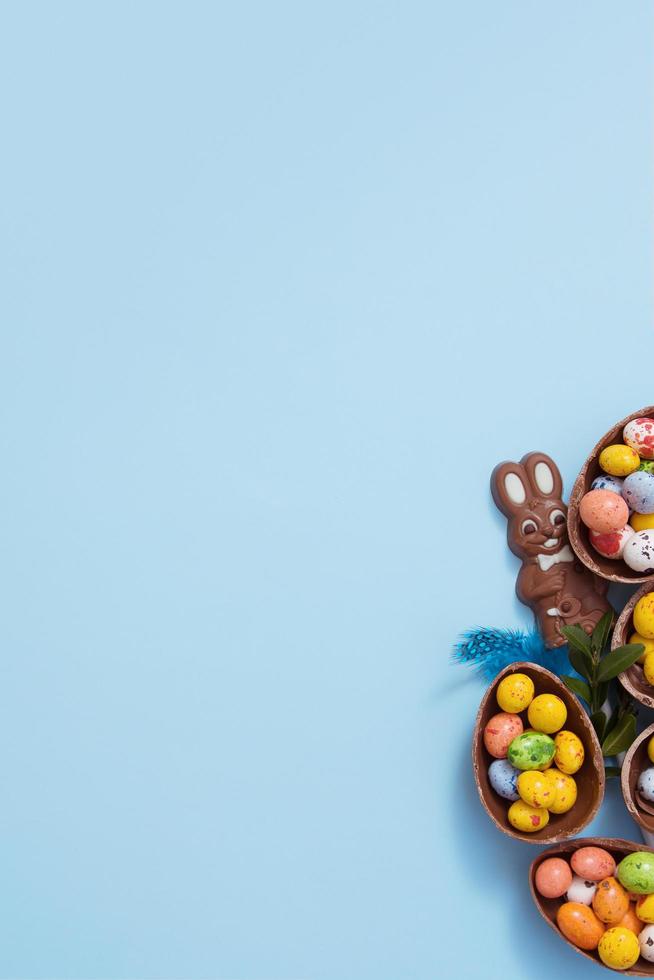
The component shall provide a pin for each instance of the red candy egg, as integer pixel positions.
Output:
(500, 731)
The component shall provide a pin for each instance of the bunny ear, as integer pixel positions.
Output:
(509, 486)
(543, 475)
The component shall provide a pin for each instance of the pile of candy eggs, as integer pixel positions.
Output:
(606, 907)
(618, 510)
(533, 768)
(643, 632)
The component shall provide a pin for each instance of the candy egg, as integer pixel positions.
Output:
(631, 921)
(641, 522)
(647, 643)
(606, 482)
(527, 819)
(638, 492)
(645, 908)
(535, 789)
(579, 925)
(499, 732)
(639, 434)
(619, 460)
(647, 465)
(646, 943)
(531, 750)
(514, 692)
(646, 785)
(553, 877)
(565, 791)
(610, 901)
(650, 749)
(568, 752)
(644, 616)
(639, 552)
(547, 713)
(636, 873)
(648, 668)
(581, 890)
(503, 778)
(611, 545)
(593, 864)
(619, 948)
(603, 511)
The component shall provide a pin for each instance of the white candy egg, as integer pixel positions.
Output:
(607, 482)
(639, 434)
(646, 784)
(581, 891)
(639, 552)
(612, 544)
(646, 943)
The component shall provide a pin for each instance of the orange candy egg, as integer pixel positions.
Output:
(631, 921)
(610, 901)
(592, 863)
(579, 925)
(500, 731)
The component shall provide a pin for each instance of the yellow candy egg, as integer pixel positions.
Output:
(644, 616)
(641, 522)
(536, 789)
(650, 749)
(645, 908)
(565, 791)
(619, 948)
(527, 819)
(647, 643)
(515, 692)
(568, 752)
(547, 713)
(648, 668)
(619, 460)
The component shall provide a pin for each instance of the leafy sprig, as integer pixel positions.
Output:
(598, 669)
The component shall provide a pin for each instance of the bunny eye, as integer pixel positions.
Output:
(528, 527)
(557, 517)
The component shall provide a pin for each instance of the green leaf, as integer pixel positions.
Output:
(582, 663)
(618, 660)
(578, 687)
(621, 737)
(612, 772)
(598, 721)
(577, 638)
(601, 632)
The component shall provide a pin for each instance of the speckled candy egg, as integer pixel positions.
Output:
(568, 752)
(645, 784)
(645, 908)
(638, 492)
(553, 877)
(638, 552)
(603, 511)
(647, 465)
(641, 522)
(579, 925)
(565, 791)
(581, 890)
(503, 779)
(650, 749)
(547, 713)
(531, 750)
(527, 819)
(636, 873)
(639, 434)
(611, 545)
(647, 643)
(536, 789)
(648, 668)
(631, 921)
(500, 731)
(593, 864)
(619, 460)
(606, 482)
(644, 616)
(514, 692)
(646, 943)
(618, 948)
(610, 901)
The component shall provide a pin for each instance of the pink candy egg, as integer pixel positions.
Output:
(603, 511)
(611, 544)
(639, 434)
(553, 877)
(500, 731)
(592, 863)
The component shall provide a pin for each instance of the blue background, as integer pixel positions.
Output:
(281, 284)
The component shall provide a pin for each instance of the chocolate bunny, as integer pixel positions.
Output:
(552, 580)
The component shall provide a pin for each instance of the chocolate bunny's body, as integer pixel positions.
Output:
(552, 580)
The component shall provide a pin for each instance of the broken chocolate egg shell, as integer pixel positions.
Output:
(635, 760)
(589, 779)
(633, 680)
(608, 568)
(548, 906)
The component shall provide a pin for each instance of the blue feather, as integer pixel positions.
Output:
(488, 651)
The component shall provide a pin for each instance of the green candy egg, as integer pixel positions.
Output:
(531, 750)
(647, 465)
(636, 872)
